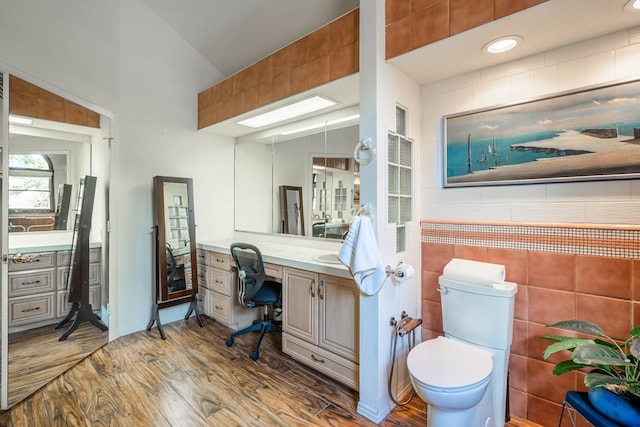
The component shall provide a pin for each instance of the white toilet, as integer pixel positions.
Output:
(463, 376)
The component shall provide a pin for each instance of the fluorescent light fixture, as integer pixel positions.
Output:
(321, 125)
(300, 108)
(503, 44)
(20, 120)
(632, 6)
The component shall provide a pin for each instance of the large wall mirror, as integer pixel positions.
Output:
(44, 163)
(300, 166)
(317, 172)
(176, 276)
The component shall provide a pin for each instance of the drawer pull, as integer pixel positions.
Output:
(219, 260)
(26, 310)
(19, 258)
(34, 282)
(218, 281)
(218, 307)
(316, 359)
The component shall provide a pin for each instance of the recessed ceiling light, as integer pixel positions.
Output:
(503, 44)
(300, 108)
(20, 120)
(632, 6)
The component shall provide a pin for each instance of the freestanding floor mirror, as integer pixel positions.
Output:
(176, 276)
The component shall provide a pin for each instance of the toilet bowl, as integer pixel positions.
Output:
(452, 378)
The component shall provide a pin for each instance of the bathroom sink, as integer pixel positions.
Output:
(327, 258)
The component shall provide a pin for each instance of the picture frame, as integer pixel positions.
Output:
(588, 134)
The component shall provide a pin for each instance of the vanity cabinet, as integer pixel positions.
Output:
(217, 292)
(37, 288)
(95, 273)
(320, 323)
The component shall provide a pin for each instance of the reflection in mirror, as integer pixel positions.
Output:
(45, 158)
(336, 195)
(176, 276)
(263, 167)
(291, 210)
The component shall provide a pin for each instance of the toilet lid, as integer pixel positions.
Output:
(443, 362)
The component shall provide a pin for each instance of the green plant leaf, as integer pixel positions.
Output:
(635, 332)
(567, 343)
(597, 354)
(596, 379)
(566, 366)
(634, 348)
(578, 326)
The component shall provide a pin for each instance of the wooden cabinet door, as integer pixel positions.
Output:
(299, 311)
(339, 301)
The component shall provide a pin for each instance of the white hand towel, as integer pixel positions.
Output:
(360, 253)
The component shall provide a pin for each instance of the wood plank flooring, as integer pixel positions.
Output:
(194, 379)
(36, 356)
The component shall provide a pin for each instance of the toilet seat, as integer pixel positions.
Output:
(449, 364)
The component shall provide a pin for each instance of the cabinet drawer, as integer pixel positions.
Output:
(202, 257)
(220, 307)
(338, 368)
(220, 260)
(64, 257)
(220, 281)
(63, 305)
(32, 282)
(32, 261)
(203, 272)
(94, 276)
(24, 310)
(273, 270)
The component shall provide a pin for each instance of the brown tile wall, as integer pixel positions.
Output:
(411, 24)
(29, 100)
(551, 287)
(327, 54)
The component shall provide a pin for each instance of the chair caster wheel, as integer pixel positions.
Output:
(255, 355)
(229, 342)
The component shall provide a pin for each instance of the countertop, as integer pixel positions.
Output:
(306, 257)
(43, 241)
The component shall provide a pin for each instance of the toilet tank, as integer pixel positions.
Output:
(477, 313)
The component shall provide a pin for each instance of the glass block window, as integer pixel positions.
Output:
(399, 180)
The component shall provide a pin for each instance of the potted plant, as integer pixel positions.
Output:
(615, 365)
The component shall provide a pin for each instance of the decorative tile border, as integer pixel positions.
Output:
(597, 240)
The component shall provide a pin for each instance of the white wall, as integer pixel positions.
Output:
(604, 59)
(382, 87)
(120, 59)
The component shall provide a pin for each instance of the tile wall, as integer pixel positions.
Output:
(563, 272)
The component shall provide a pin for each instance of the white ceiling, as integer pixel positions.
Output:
(234, 34)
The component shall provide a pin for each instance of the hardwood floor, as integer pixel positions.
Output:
(36, 356)
(194, 379)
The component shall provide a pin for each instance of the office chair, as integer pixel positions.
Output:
(577, 402)
(175, 272)
(254, 290)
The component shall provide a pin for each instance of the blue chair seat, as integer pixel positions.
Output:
(579, 401)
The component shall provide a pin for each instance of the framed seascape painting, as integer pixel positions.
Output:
(589, 134)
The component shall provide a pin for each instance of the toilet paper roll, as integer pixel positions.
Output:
(482, 273)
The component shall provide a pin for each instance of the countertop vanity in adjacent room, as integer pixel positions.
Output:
(320, 302)
(38, 271)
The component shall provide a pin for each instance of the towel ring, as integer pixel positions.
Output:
(364, 145)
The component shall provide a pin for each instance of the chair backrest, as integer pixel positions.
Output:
(251, 273)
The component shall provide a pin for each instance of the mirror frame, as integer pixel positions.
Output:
(162, 296)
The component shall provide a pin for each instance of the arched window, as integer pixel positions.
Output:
(30, 183)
